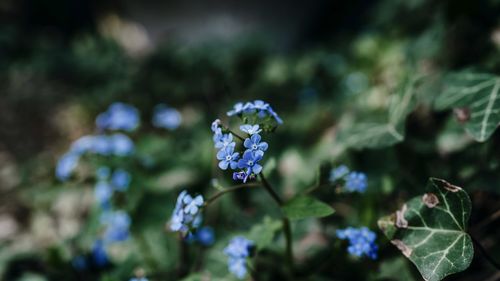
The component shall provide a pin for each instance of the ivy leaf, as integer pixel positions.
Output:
(430, 230)
(302, 207)
(476, 98)
(374, 135)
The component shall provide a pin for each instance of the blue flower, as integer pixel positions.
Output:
(103, 173)
(260, 107)
(238, 108)
(361, 241)
(355, 181)
(82, 145)
(250, 160)
(101, 145)
(139, 279)
(228, 157)
(122, 145)
(215, 125)
(166, 117)
(187, 213)
(237, 267)
(239, 247)
(117, 224)
(120, 179)
(119, 116)
(250, 129)
(338, 173)
(241, 175)
(224, 140)
(238, 250)
(103, 193)
(192, 205)
(205, 236)
(253, 143)
(66, 165)
(99, 255)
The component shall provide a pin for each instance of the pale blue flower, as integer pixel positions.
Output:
(187, 213)
(338, 173)
(356, 181)
(250, 162)
(361, 241)
(250, 129)
(228, 158)
(66, 165)
(166, 117)
(103, 193)
(121, 144)
(120, 179)
(254, 143)
(117, 224)
(119, 116)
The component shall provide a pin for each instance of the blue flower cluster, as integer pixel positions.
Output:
(361, 241)
(187, 213)
(237, 251)
(353, 181)
(166, 117)
(119, 116)
(107, 145)
(261, 108)
(116, 226)
(105, 186)
(205, 236)
(248, 165)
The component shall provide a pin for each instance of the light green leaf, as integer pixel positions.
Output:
(263, 234)
(477, 95)
(374, 135)
(430, 230)
(302, 207)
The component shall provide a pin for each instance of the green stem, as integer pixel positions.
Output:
(287, 230)
(227, 190)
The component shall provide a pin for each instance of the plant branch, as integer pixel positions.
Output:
(227, 190)
(287, 230)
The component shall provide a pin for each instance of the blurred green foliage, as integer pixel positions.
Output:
(327, 93)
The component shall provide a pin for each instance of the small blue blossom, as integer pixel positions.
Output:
(120, 179)
(122, 145)
(254, 143)
(260, 107)
(238, 250)
(356, 181)
(205, 236)
(119, 116)
(361, 241)
(166, 117)
(103, 193)
(99, 256)
(241, 175)
(224, 140)
(139, 279)
(66, 165)
(117, 224)
(187, 213)
(101, 145)
(250, 129)
(249, 162)
(238, 267)
(215, 125)
(228, 158)
(82, 145)
(338, 173)
(103, 173)
(192, 205)
(239, 247)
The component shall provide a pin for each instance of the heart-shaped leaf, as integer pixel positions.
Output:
(374, 135)
(302, 207)
(477, 100)
(430, 230)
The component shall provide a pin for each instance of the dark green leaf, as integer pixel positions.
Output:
(306, 207)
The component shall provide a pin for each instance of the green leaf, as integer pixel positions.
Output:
(374, 135)
(302, 207)
(430, 230)
(263, 234)
(478, 98)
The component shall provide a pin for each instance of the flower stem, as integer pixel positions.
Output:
(287, 230)
(226, 190)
